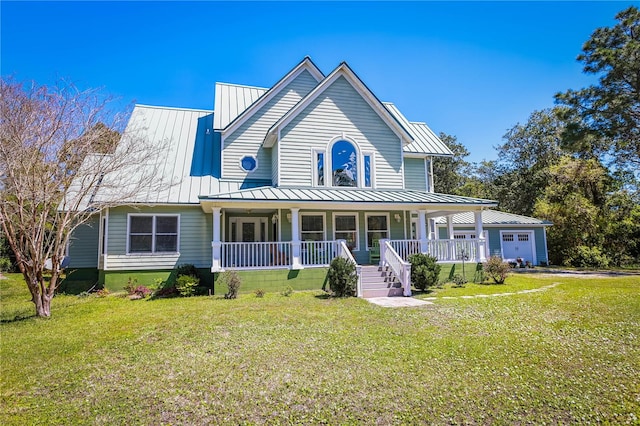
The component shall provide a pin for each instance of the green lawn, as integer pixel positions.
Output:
(568, 354)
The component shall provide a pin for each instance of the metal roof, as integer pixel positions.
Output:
(424, 140)
(231, 100)
(305, 65)
(344, 195)
(494, 217)
(189, 156)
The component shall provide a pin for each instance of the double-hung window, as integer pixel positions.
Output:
(346, 228)
(312, 228)
(377, 228)
(153, 234)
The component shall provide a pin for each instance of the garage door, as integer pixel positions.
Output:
(517, 244)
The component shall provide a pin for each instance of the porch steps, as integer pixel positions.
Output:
(377, 281)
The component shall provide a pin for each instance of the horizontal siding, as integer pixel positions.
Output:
(541, 248)
(414, 174)
(339, 109)
(248, 138)
(195, 240)
(84, 243)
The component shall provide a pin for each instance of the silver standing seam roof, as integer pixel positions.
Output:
(231, 100)
(425, 141)
(344, 195)
(494, 217)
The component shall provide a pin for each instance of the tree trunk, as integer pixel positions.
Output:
(41, 294)
(43, 305)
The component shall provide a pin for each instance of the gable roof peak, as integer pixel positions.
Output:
(341, 70)
(306, 64)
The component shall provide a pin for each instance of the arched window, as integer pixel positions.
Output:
(344, 164)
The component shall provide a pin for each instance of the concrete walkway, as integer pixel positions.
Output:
(404, 302)
(398, 302)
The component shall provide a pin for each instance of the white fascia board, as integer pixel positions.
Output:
(306, 64)
(344, 71)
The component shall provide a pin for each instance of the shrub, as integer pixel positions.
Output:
(425, 272)
(136, 291)
(233, 282)
(496, 269)
(459, 281)
(103, 292)
(5, 264)
(587, 257)
(132, 283)
(187, 269)
(259, 292)
(287, 291)
(342, 277)
(186, 285)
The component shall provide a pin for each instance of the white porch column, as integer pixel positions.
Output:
(216, 244)
(423, 231)
(452, 246)
(482, 243)
(295, 240)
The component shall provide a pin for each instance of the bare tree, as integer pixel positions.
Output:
(61, 161)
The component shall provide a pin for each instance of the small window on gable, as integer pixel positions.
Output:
(368, 173)
(249, 163)
(344, 164)
(318, 177)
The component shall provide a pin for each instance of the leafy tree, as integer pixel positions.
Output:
(50, 176)
(449, 172)
(573, 201)
(605, 117)
(525, 158)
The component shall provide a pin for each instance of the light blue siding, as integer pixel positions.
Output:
(195, 230)
(414, 174)
(339, 110)
(247, 139)
(83, 247)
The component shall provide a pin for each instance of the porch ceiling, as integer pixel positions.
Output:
(343, 199)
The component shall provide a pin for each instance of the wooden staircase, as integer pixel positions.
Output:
(377, 281)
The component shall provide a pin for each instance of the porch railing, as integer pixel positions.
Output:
(399, 267)
(273, 254)
(317, 253)
(443, 250)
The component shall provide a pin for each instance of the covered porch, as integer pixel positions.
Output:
(297, 228)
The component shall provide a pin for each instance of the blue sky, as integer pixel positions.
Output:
(469, 69)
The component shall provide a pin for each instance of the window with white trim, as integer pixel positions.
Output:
(367, 159)
(377, 228)
(312, 227)
(318, 167)
(464, 236)
(345, 226)
(153, 234)
(249, 163)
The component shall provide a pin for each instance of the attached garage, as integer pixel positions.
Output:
(508, 236)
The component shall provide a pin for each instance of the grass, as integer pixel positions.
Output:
(569, 354)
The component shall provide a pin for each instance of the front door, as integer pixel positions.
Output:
(250, 230)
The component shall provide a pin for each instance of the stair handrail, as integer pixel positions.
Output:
(401, 269)
(344, 252)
